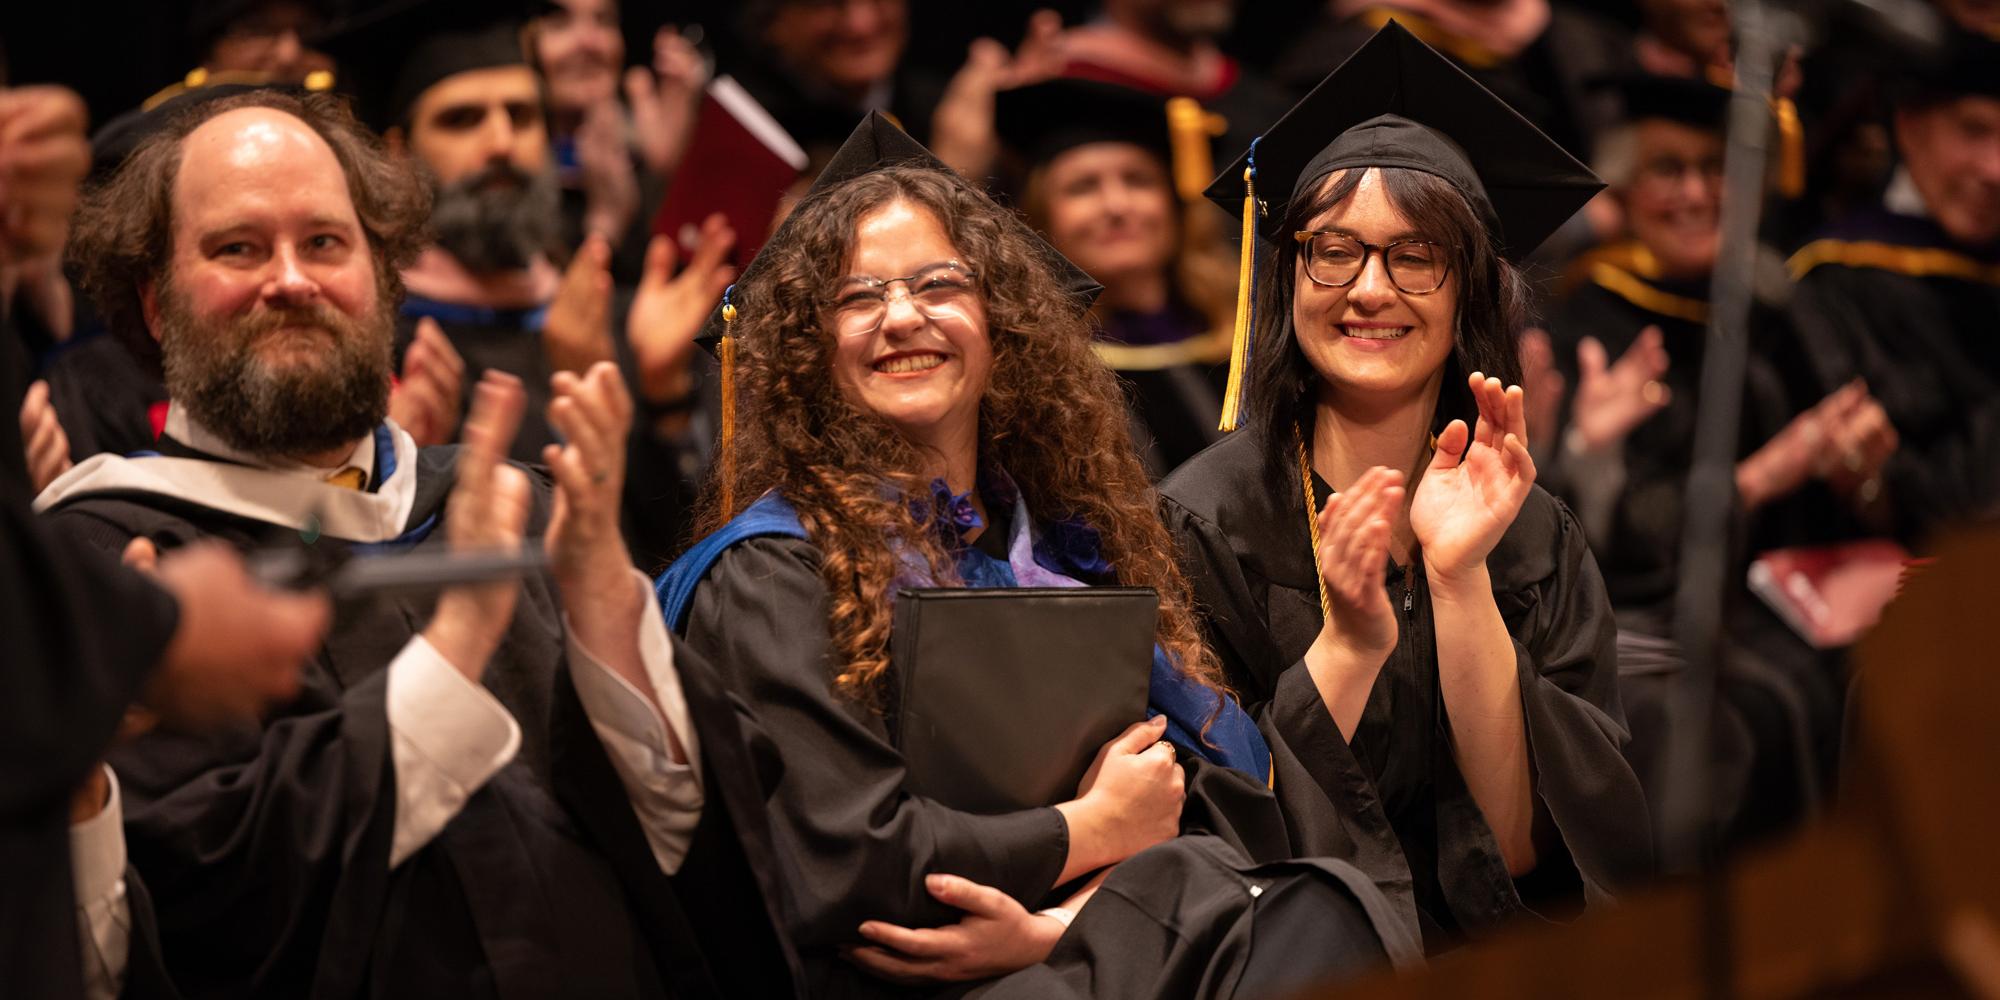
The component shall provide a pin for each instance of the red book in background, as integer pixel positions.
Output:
(1831, 594)
(739, 162)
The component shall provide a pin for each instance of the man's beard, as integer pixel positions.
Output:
(329, 398)
(499, 219)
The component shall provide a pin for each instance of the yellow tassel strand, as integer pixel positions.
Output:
(1239, 343)
(1791, 148)
(1189, 129)
(727, 351)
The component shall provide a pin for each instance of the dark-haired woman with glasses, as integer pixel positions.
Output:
(1421, 627)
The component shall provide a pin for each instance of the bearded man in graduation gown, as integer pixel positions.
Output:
(449, 86)
(1906, 296)
(396, 830)
(199, 645)
(1629, 335)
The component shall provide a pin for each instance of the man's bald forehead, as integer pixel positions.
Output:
(246, 137)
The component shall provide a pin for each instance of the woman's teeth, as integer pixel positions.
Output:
(1375, 332)
(909, 363)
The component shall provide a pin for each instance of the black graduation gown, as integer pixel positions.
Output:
(1889, 298)
(103, 396)
(1173, 384)
(266, 849)
(1780, 711)
(1397, 795)
(853, 846)
(82, 634)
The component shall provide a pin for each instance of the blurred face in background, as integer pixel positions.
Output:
(1673, 203)
(1698, 29)
(268, 39)
(483, 137)
(580, 52)
(1109, 208)
(847, 46)
(1952, 151)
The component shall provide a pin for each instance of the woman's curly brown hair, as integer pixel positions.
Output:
(1053, 417)
(124, 233)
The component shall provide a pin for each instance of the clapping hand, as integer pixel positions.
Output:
(43, 438)
(668, 310)
(1475, 484)
(1353, 557)
(487, 509)
(425, 402)
(962, 130)
(577, 332)
(604, 168)
(664, 100)
(1613, 398)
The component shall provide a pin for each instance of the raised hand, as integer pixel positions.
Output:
(425, 402)
(42, 438)
(577, 332)
(610, 186)
(44, 156)
(1353, 558)
(1475, 484)
(1612, 399)
(665, 101)
(593, 414)
(962, 130)
(1860, 440)
(487, 509)
(1843, 439)
(996, 936)
(668, 311)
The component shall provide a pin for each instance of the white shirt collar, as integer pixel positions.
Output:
(183, 428)
(1902, 196)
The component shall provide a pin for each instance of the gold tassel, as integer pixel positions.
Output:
(1239, 343)
(727, 351)
(1189, 129)
(1791, 148)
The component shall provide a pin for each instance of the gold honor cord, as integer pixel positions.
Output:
(1312, 523)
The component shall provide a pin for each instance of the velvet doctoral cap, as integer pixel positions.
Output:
(386, 57)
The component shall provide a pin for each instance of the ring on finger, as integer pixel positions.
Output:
(1654, 392)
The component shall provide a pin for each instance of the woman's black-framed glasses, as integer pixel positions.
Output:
(860, 302)
(1416, 267)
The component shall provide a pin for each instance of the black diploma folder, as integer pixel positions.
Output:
(1006, 694)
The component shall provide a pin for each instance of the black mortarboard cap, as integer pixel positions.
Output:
(1968, 67)
(1683, 99)
(387, 56)
(877, 143)
(1045, 120)
(1397, 103)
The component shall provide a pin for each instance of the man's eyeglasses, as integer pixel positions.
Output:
(943, 290)
(1416, 267)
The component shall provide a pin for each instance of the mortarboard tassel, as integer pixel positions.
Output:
(1791, 148)
(1246, 294)
(726, 353)
(1190, 127)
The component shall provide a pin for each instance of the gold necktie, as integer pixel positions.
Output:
(350, 478)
